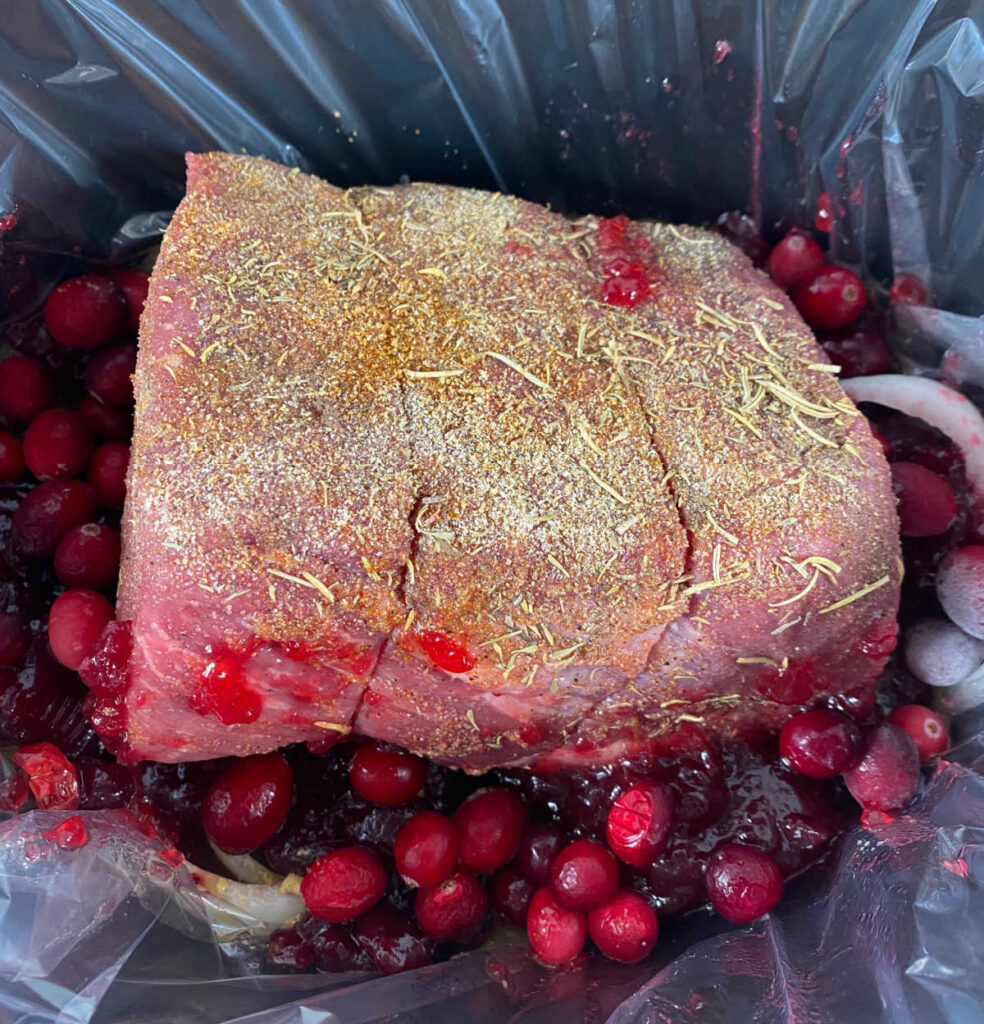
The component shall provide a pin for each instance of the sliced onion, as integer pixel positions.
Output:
(266, 904)
(244, 868)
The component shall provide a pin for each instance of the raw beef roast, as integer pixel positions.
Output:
(444, 468)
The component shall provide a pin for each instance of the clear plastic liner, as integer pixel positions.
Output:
(675, 110)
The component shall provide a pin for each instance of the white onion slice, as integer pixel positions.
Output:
(244, 868)
(941, 654)
(267, 904)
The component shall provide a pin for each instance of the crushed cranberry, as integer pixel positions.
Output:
(830, 298)
(625, 928)
(133, 284)
(25, 390)
(926, 728)
(742, 883)
(451, 911)
(75, 622)
(106, 421)
(822, 218)
(489, 825)
(640, 822)
(343, 884)
(510, 893)
(907, 290)
(625, 289)
(286, 948)
(794, 259)
(926, 503)
(556, 934)
(386, 775)
(394, 942)
(446, 653)
(103, 785)
(51, 776)
(584, 875)
(426, 849)
(45, 513)
(15, 637)
(86, 312)
(858, 351)
(12, 462)
(537, 849)
(88, 556)
(248, 802)
(611, 232)
(13, 793)
(58, 443)
(107, 473)
(69, 834)
(223, 691)
(329, 947)
(106, 669)
(887, 777)
(821, 743)
(108, 374)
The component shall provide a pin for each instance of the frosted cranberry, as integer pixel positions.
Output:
(858, 352)
(88, 556)
(107, 473)
(640, 822)
(926, 504)
(15, 637)
(742, 883)
(394, 942)
(51, 776)
(794, 259)
(25, 389)
(821, 743)
(426, 849)
(385, 775)
(75, 622)
(537, 849)
(103, 784)
(584, 875)
(248, 802)
(510, 894)
(960, 588)
(69, 834)
(831, 297)
(907, 290)
(624, 929)
(489, 826)
(11, 458)
(86, 312)
(106, 421)
(822, 218)
(343, 884)
(926, 728)
(557, 935)
(329, 947)
(887, 777)
(740, 230)
(446, 653)
(108, 373)
(453, 910)
(57, 443)
(45, 513)
(133, 284)
(285, 948)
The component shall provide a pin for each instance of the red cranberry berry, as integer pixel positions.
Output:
(286, 948)
(489, 826)
(926, 504)
(108, 373)
(86, 312)
(11, 458)
(831, 297)
(133, 284)
(510, 893)
(742, 883)
(103, 784)
(821, 743)
(624, 929)
(25, 390)
(822, 218)
(887, 777)
(46, 512)
(330, 947)
(69, 834)
(926, 728)
(557, 935)
(75, 622)
(246, 805)
(15, 637)
(51, 776)
(858, 352)
(88, 556)
(426, 849)
(908, 291)
(394, 942)
(794, 259)
(960, 588)
(107, 473)
(106, 421)
(537, 849)
(453, 910)
(57, 443)
(343, 883)
(740, 230)
(584, 875)
(640, 822)
(384, 775)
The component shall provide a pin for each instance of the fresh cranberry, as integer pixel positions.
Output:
(107, 473)
(908, 291)
(960, 588)
(821, 743)
(557, 935)
(822, 218)
(887, 777)
(15, 637)
(57, 443)
(46, 512)
(831, 297)
(133, 284)
(858, 352)
(537, 849)
(926, 504)
(640, 822)
(86, 312)
(510, 893)
(926, 728)
(584, 875)
(103, 784)
(88, 556)
(343, 884)
(452, 910)
(329, 947)
(248, 802)
(25, 390)
(11, 458)
(75, 622)
(489, 825)
(394, 942)
(285, 948)
(106, 421)
(51, 776)
(386, 775)
(69, 834)
(426, 849)
(108, 374)
(741, 231)
(624, 929)
(446, 653)
(742, 883)
(794, 259)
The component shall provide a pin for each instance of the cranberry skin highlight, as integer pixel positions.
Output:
(887, 777)
(248, 803)
(926, 728)
(453, 910)
(742, 883)
(426, 849)
(556, 934)
(86, 312)
(821, 743)
(384, 775)
(640, 822)
(489, 826)
(794, 259)
(584, 875)
(625, 929)
(75, 622)
(830, 298)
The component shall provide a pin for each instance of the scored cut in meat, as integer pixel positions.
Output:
(399, 470)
